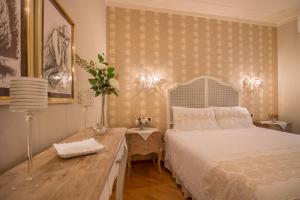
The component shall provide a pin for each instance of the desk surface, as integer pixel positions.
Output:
(57, 178)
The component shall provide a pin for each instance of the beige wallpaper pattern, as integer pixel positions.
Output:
(180, 48)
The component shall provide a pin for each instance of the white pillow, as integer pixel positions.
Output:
(233, 117)
(193, 118)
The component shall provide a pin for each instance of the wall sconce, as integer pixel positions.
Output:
(252, 84)
(149, 81)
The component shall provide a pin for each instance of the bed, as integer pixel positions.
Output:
(244, 162)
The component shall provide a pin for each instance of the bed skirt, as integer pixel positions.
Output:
(185, 191)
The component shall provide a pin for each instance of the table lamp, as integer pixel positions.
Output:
(86, 98)
(28, 95)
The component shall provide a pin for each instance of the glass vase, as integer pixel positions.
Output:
(102, 124)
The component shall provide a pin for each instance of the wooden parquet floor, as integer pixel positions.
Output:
(146, 183)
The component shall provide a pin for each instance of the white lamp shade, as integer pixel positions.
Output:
(28, 94)
(86, 98)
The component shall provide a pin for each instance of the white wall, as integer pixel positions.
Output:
(289, 74)
(59, 121)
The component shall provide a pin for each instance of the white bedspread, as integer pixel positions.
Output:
(251, 163)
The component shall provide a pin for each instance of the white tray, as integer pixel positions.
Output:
(80, 148)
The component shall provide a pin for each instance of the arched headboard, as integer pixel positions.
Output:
(201, 92)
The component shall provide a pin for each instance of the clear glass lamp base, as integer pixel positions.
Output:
(100, 129)
(24, 183)
(27, 181)
(103, 129)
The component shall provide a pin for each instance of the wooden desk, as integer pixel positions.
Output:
(79, 178)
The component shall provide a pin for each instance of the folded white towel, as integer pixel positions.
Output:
(79, 148)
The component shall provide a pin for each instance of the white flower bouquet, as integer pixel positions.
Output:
(142, 122)
(104, 79)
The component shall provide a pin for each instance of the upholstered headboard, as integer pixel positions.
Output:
(201, 92)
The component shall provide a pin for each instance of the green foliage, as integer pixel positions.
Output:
(110, 72)
(101, 75)
(93, 72)
(93, 81)
(100, 58)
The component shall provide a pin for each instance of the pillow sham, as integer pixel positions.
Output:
(233, 117)
(193, 118)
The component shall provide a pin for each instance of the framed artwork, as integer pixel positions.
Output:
(55, 31)
(14, 41)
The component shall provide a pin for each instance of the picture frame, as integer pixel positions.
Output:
(15, 43)
(54, 44)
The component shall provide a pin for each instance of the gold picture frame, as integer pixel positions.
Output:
(61, 69)
(17, 55)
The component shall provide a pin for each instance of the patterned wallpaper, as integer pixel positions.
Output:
(180, 48)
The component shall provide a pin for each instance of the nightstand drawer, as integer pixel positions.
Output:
(137, 145)
(140, 145)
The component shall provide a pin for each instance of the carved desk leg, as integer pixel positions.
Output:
(159, 161)
(159, 156)
(129, 165)
(121, 174)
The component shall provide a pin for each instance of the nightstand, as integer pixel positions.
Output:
(276, 125)
(143, 142)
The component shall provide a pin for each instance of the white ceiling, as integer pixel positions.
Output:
(270, 12)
